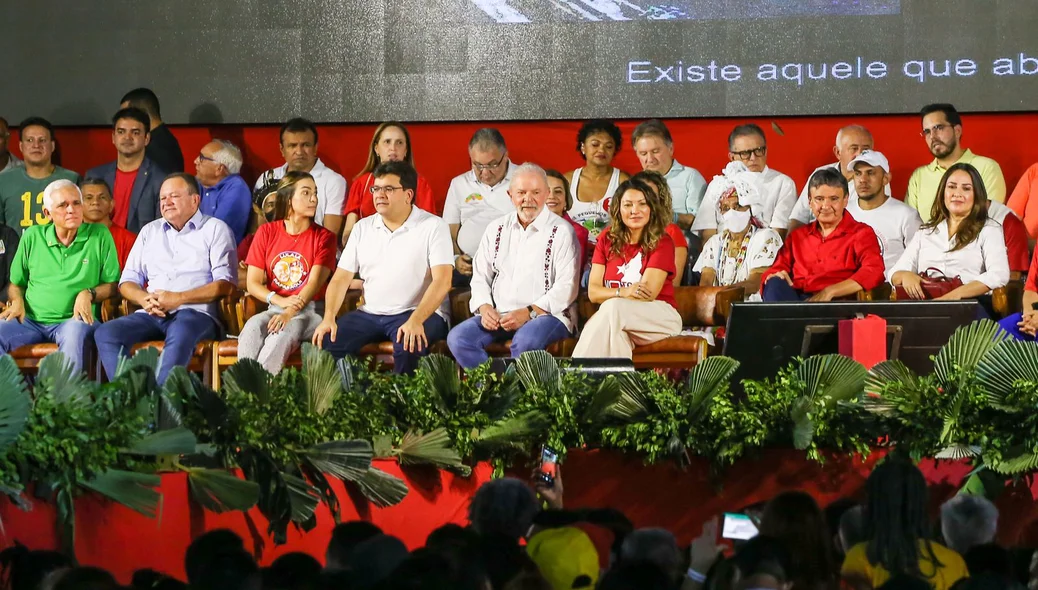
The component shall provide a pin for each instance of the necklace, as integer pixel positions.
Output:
(729, 252)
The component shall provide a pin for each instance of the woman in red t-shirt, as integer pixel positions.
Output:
(391, 142)
(631, 277)
(659, 182)
(289, 263)
(558, 202)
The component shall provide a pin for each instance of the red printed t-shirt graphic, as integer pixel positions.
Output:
(814, 262)
(121, 193)
(628, 270)
(288, 259)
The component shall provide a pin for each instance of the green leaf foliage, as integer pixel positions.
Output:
(219, 490)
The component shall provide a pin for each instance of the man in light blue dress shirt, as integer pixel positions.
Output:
(188, 261)
(654, 147)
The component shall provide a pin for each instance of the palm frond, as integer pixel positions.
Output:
(219, 491)
(178, 389)
(444, 379)
(889, 372)
(323, 382)
(58, 377)
(1006, 363)
(803, 425)
(302, 497)
(706, 379)
(381, 488)
(432, 448)
(958, 451)
(1022, 463)
(830, 378)
(496, 403)
(345, 459)
(537, 369)
(512, 431)
(247, 376)
(633, 402)
(176, 441)
(145, 357)
(607, 394)
(136, 491)
(967, 346)
(15, 404)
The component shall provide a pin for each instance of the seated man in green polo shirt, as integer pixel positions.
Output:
(59, 273)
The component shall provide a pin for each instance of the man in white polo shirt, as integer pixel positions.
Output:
(893, 221)
(850, 141)
(477, 197)
(298, 142)
(406, 259)
(748, 146)
(524, 278)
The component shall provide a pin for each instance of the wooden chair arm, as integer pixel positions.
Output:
(880, 293)
(1009, 299)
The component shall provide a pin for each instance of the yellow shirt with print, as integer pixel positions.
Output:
(952, 569)
(923, 185)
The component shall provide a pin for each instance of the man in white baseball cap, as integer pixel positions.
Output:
(893, 221)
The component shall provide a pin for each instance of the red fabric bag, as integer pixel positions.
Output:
(939, 285)
(864, 339)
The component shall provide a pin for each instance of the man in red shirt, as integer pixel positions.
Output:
(832, 257)
(133, 178)
(97, 208)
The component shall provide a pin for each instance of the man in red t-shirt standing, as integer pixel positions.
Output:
(832, 257)
(134, 179)
(97, 208)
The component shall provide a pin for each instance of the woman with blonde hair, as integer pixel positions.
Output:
(391, 142)
(288, 267)
(631, 277)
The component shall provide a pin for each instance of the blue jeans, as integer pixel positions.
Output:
(469, 339)
(777, 289)
(181, 330)
(71, 336)
(1009, 324)
(359, 328)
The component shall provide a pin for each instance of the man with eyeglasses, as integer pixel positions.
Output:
(179, 267)
(7, 159)
(225, 195)
(133, 177)
(850, 141)
(21, 188)
(477, 198)
(406, 259)
(942, 132)
(748, 146)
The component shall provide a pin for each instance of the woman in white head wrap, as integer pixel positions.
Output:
(743, 248)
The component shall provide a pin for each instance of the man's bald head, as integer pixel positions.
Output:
(851, 141)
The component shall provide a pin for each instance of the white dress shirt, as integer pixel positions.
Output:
(802, 210)
(474, 205)
(331, 188)
(983, 260)
(397, 265)
(777, 190)
(538, 265)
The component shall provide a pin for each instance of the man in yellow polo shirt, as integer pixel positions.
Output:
(942, 132)
(60, 272)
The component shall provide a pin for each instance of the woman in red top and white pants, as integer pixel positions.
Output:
(288, 267)
(631, 277)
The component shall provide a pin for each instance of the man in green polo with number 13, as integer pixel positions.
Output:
(59, 273)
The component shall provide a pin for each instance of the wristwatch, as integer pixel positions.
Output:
(533, 312)
(93, 294)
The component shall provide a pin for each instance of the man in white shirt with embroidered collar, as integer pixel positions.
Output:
(477, 197)
(406, 259)
(850, 141)
(748, 146)
(893, 221)
(298, 142)
(524, 277)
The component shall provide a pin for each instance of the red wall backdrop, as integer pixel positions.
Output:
(441, 148)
